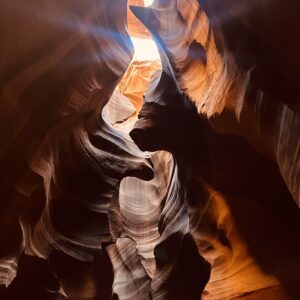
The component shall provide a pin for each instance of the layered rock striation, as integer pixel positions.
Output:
(128, 179)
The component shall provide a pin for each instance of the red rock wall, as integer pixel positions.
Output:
(210, 212)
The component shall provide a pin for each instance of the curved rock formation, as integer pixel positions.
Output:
(211, 48)
(155, 240)
(135, 81)
(60, 157)
(232, 190)
(211, 212)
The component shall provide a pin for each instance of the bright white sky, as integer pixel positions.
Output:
(148, 2)
(145, 49)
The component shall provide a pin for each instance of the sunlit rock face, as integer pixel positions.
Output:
(231, 144)
(234, 223)
(136, 28)
(227, 65)
(133, 174)
(136, 79)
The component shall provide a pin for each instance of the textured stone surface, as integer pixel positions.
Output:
(210, 212)
(227, 147)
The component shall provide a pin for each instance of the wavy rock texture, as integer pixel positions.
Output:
(73, 162)
(211, 212)
(235, 85)
(136, 28)
(234, 223)
(135, 82)
(150, 256)
(236, 196)
(62, 163)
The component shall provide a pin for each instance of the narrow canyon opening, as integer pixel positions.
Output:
(129, 93)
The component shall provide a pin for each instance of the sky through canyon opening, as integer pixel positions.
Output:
(145, 62)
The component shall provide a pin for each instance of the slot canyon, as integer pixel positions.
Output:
(150, 150)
